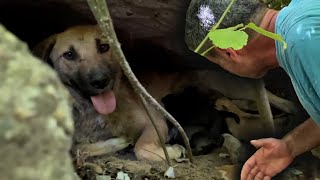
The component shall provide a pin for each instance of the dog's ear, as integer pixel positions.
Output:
(44, 48)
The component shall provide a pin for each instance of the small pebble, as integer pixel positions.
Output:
(296, 172)
(103, 177)
(224, 155)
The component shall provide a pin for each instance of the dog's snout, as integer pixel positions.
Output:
(99, 83)
(99, 80)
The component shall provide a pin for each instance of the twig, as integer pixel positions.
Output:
(164, 160)
(100, 10)
(206, 51)
(215, 26)
(145, 104)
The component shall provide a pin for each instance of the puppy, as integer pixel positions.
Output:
(85, 64)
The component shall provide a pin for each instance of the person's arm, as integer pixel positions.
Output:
(303, 138)
(274, 155)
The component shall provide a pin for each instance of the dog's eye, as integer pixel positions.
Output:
(69, 55)
(103, 48)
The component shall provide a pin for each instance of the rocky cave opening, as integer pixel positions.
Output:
(151, 36)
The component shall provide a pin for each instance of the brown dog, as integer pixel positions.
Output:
(86, 66)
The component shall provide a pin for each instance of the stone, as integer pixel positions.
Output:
(36, 124)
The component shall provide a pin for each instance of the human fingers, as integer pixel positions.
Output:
(259, 176)
(267, 178)
(253, 173)
(262, 142)
(247, 167)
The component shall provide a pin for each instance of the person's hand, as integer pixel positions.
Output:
(271, 158)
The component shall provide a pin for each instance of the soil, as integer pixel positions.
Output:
(205, 167)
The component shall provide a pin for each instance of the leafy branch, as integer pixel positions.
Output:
(233, 37)
(100, 10)
(215, 26)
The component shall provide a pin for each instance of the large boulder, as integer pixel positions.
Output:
(35, 116)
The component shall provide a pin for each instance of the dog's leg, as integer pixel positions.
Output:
(148, 147)
(225, 104)
(249, 125)
(282, 104)
(105, 147)
(264, 107)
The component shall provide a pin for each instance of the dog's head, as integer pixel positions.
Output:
(84, 62)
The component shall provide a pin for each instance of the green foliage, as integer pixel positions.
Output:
(234, 37)
(267, 33)
(228, 38)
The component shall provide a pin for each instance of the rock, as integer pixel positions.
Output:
(229, 172)
(316, 152)
(103, 177)
(155, 26)
(224, 155)
(139, 19)
(35, 117)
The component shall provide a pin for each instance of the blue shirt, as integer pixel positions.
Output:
(299, 25)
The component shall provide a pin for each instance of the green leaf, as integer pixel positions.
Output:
(228, 38)
(267, 33)
(234, 28)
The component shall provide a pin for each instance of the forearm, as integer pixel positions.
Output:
(303, 138)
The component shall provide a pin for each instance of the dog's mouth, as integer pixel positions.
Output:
(105, 102)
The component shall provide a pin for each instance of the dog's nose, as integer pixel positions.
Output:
(99, 81)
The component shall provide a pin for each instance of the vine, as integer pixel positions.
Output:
(233, 37)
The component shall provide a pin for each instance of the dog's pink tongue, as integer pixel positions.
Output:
(104, 103)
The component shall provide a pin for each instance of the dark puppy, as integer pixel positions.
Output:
(203, 124)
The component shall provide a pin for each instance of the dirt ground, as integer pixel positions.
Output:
(205, 167)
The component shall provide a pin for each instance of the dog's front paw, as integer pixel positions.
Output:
(176, 151)
(153, 152)
(105, 147)
(235, 148)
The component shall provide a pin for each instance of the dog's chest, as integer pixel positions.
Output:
(129, 118)
(89, 125)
